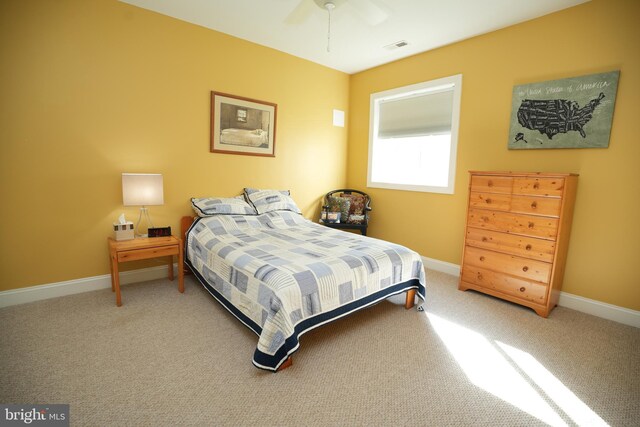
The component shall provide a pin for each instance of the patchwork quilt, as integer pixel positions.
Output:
(282, 275)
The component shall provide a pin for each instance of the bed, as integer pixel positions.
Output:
(282, 275)
(248, 138)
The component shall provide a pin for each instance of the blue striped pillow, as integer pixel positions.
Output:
(271, 200)
(210, 206)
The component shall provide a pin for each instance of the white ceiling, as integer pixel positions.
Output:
(356, 44)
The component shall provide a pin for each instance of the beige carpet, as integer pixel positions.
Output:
(169, 359)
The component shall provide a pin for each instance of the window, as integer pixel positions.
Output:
(413, 136)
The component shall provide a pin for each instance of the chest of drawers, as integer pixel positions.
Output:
(517, 236)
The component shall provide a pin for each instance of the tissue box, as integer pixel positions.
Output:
(123, 231)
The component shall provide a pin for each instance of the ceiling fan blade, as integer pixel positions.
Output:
(369, 11)
(301, 13)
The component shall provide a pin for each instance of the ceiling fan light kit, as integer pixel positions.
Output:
(329, 6)
(322, 4)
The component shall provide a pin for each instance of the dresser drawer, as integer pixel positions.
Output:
(491, 184)
(513, 286)
(528, 247)
(538, 186)
(495, 201)
(526, 225)
(522, 267)
(536, 205)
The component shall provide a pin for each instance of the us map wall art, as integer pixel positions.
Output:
(568, 113)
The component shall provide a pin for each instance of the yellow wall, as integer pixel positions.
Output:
(91, 89)
(599, 36)
(94, 89)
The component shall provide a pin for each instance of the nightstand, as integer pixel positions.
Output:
(144, 248)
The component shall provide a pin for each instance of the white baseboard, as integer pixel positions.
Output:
(600, 309)
(574, 302)
(70, 287)
(441, 266)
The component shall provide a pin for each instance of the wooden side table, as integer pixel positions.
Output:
(144, 248)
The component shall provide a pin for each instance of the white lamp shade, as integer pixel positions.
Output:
(142, 189)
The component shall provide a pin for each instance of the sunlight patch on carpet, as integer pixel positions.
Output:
(579, 412)
(486, 366)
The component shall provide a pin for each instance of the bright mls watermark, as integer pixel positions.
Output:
(34, 415)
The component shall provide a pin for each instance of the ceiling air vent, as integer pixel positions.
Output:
(396, 45)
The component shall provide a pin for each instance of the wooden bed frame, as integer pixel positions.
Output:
(185, 223)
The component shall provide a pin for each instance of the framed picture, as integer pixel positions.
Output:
(570, 113)
(242, 125)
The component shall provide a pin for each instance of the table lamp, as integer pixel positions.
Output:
(142, 189)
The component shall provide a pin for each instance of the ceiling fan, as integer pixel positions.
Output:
(367, 10)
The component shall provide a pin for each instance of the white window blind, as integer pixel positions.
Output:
(417, 115)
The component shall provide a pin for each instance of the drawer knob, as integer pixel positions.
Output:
(536, 186)
(522, 289)
(479, 276)
(482, 258)
(525, 268)
(528, 247)
(484, 239)
(531, 225)
(488, 201)
(534, 205)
